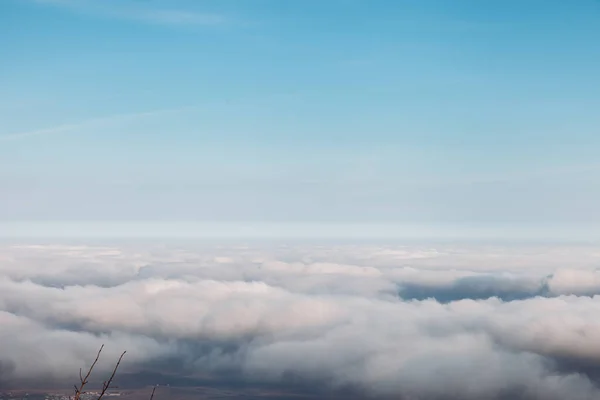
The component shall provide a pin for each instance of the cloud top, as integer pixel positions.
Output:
(407, 322)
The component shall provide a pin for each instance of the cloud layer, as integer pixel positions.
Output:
(437, 322)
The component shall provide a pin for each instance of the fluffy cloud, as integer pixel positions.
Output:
(415, 322)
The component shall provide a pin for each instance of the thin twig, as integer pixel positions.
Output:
(84, 380)
(153, 390)
(106, 384)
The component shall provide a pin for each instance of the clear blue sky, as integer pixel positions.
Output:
(455, 112)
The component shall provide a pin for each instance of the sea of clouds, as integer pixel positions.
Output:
(412, 322)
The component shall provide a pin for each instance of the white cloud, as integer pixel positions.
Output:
(332, 316)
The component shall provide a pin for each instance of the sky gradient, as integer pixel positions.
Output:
(425, 113)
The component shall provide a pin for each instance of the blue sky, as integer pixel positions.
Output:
(422, 113)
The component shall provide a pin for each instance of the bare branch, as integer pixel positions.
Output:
(84, 380)
(106, 384)
(153, 390)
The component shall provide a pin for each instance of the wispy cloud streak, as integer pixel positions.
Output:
(90, 123)
(141, 12)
